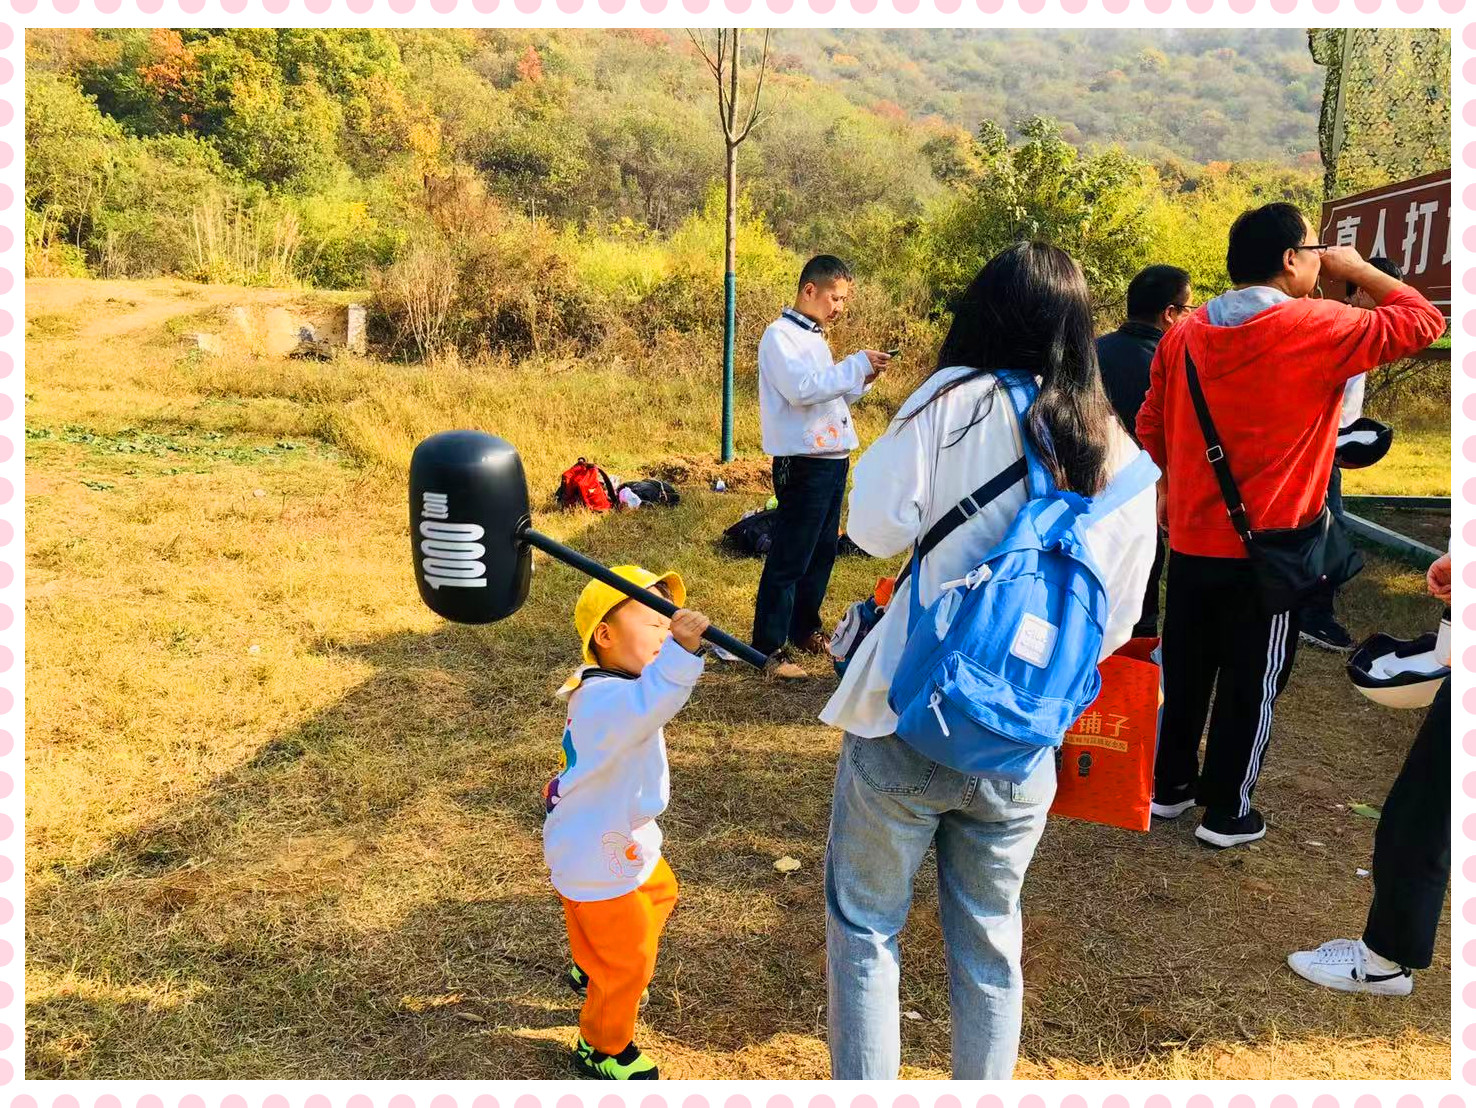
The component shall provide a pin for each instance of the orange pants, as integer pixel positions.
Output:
(614, 942)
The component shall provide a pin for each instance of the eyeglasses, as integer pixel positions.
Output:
(1182, 307)
(1315, 246)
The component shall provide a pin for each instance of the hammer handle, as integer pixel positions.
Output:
(644, 596)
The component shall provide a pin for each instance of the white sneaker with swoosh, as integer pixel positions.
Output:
(1343, 964)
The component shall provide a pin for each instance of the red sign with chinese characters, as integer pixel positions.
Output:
(1408, 223)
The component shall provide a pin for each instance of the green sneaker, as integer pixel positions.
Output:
(629, 1065)
(578, 980)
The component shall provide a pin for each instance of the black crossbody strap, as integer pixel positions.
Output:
(1215, 453)
(967, 508)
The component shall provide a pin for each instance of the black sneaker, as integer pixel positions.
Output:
(1322, 629)
(1172, 803)
(1221, 831)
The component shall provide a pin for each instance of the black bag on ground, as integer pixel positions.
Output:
(1289, 563)
(752, 535)
(652, 491)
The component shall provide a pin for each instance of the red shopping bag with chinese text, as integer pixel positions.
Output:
(1105, 772)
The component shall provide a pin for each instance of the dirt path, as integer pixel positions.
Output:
(133, 306)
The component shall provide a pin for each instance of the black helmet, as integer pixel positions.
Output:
(1398, 673)
(1362, 443)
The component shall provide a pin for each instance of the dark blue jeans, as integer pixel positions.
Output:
(797, 569)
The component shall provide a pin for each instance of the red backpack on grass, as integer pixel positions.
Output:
(585, 485)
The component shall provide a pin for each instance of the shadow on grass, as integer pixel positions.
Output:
(364, 895)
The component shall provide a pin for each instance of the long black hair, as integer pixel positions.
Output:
(1029, 309)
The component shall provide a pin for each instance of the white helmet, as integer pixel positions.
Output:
(1401, 673)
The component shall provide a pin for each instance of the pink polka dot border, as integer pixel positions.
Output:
(636, 13)
(1463, 531)
(677, 13)
(12, 594)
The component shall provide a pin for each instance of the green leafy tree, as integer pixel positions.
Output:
(1190, 213)
(1092, 206)
(283, 137)
(75, 155)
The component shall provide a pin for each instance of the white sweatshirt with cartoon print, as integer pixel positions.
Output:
(804, 393)
(600, 837)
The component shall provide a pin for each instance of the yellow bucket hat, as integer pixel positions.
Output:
(599, 599)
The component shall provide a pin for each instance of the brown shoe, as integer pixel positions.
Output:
(781, 666)
(814, 643)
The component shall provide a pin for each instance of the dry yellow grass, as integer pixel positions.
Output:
(320, 857)
(1418, 464)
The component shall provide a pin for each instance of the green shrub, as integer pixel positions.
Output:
(48, 256)
(350, 231)
(690, 297)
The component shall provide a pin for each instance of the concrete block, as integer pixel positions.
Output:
(358, 329)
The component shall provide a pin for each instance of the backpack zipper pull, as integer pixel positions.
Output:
(934, 703)
(972, 580)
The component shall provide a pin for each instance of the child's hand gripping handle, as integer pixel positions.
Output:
(635, 592)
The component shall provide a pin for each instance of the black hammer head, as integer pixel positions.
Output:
(468, 506)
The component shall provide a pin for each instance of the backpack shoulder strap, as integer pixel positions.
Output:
(971, 505)
(1022, 390)
(1133, 478)
(1018, 470)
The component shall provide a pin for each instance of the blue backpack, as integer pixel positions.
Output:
(999, 667)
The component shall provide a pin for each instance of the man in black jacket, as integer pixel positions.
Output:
(1157, 298)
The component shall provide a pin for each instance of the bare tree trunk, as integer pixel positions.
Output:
(736, 127)
(730, 253)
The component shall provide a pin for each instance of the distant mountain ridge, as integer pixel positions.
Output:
(1215, 95)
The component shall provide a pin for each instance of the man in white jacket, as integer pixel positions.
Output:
(804, 411)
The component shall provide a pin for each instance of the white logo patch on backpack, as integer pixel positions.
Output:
(1034, 641)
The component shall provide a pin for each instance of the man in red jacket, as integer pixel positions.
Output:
(1272, 362)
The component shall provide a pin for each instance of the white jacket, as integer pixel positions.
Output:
(804, 392)
(913, 475)
(1353, 400)
(600, 837)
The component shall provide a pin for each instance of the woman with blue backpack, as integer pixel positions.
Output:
(1030, 517)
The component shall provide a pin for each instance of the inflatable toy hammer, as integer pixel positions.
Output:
(471, 536)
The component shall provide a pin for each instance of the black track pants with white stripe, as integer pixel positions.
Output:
(1223, 663)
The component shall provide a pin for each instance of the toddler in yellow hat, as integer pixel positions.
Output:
(600, 837)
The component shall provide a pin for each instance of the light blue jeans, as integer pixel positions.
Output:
(890, 804)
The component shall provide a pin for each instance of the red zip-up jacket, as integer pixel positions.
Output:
(1274, 387)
